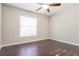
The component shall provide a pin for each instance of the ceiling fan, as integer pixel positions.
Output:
(47, 5)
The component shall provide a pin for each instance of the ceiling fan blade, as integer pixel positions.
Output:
(39, 9)
(48, 10)
(55, 4)
(42, 3)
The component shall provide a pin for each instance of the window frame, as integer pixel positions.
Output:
(29, 25)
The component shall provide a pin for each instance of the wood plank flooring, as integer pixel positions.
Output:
(41, 48)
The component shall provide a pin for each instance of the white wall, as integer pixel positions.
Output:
(0, 25)
(11, 25)
(65, 25)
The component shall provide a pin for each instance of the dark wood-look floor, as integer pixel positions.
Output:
(41, 48)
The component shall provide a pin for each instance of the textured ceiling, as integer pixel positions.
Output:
(33, 6)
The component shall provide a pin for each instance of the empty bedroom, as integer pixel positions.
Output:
(39, 29)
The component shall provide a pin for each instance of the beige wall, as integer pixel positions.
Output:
(11, 25)
(65, 25)
(0, 25)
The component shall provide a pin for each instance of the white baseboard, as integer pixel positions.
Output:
(39, 40)
(75, 44)
(21, 42)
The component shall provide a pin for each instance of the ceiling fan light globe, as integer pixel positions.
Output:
(45, 6)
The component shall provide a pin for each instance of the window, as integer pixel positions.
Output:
(28, 26)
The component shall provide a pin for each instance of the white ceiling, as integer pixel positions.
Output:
(33, 6)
